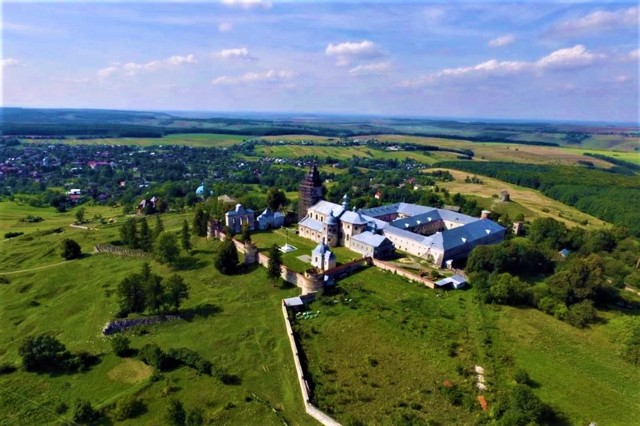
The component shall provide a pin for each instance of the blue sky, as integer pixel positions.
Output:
(530, 60)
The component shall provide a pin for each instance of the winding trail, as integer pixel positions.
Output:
(37, 268)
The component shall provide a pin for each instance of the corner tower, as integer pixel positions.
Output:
(310, 192)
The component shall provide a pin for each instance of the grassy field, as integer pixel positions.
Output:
(382, 351)
(237, 325)
(264, 240)
(188, 139)
(529, 202)
(345, 153)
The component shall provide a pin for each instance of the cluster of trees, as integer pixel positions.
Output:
(151, 354)
(146, 291)
(163, 244)
(570, 289)
(603, 194)
(45, 353)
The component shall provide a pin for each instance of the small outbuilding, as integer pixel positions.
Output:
(455, 281)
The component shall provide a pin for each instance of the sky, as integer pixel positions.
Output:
(556, 60)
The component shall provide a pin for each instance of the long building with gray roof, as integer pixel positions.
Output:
(435, 234)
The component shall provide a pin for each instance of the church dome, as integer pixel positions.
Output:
(200, 191)
(331, 219)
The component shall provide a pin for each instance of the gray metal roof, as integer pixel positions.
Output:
(354, 218)
(312, 223)
(370, 239)
(325, 207)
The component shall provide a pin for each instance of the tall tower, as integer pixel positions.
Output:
(310, 192)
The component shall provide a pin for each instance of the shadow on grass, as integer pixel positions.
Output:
(200, 251)
(189, 263)
(230, 379)
(204, 310)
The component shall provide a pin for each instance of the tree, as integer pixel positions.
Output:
(176, 415)
(549, 232)
(276, 199)
(129, 233)
(154, 293)
(70, 249)
(200, 221)
(246, 233)
(159, 228)
(146, 239)
(128, 407)
(80, 215)
(130, 292)
(41, 353)
(120, 345)
(226, 259)
(176, 290)
(274, 267)
(84, 413)
(186, 236)
(166, 248)
(582, 314)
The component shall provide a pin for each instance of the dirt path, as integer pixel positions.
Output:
(632, 290)
(35, 269)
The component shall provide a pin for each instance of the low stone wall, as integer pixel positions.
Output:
(348, 268)
(311, 409)
(120, 325)
(386, 266)
(119, 251)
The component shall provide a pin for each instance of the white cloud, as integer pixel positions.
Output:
(225, 27)
(265, 4)
(634, 54)
(570, 58)
(562, 59)
(9, 62)
(239, 53)
(597, 22)
(250, 77)
(369, 69)
(133, 68)
(177, 60)
(106, 72)
(349, 51)
(505, 40)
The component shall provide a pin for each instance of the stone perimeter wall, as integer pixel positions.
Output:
(386, 266)
(311, 409)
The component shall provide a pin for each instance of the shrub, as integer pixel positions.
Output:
(6, 368)
(582, 314)
(13, 234)
(521, 376)
(176, 415)
(152, 355)
(120, 345)
(128, 408)
(84, 413)
(70, 249)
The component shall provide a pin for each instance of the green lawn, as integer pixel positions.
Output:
(265, 239)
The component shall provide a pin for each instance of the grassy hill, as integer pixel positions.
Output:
(236, 324)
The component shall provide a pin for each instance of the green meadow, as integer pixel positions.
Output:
(384, 347)
(201, 140)
(234, 321)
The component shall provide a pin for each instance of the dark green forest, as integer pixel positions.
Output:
(612, 197)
